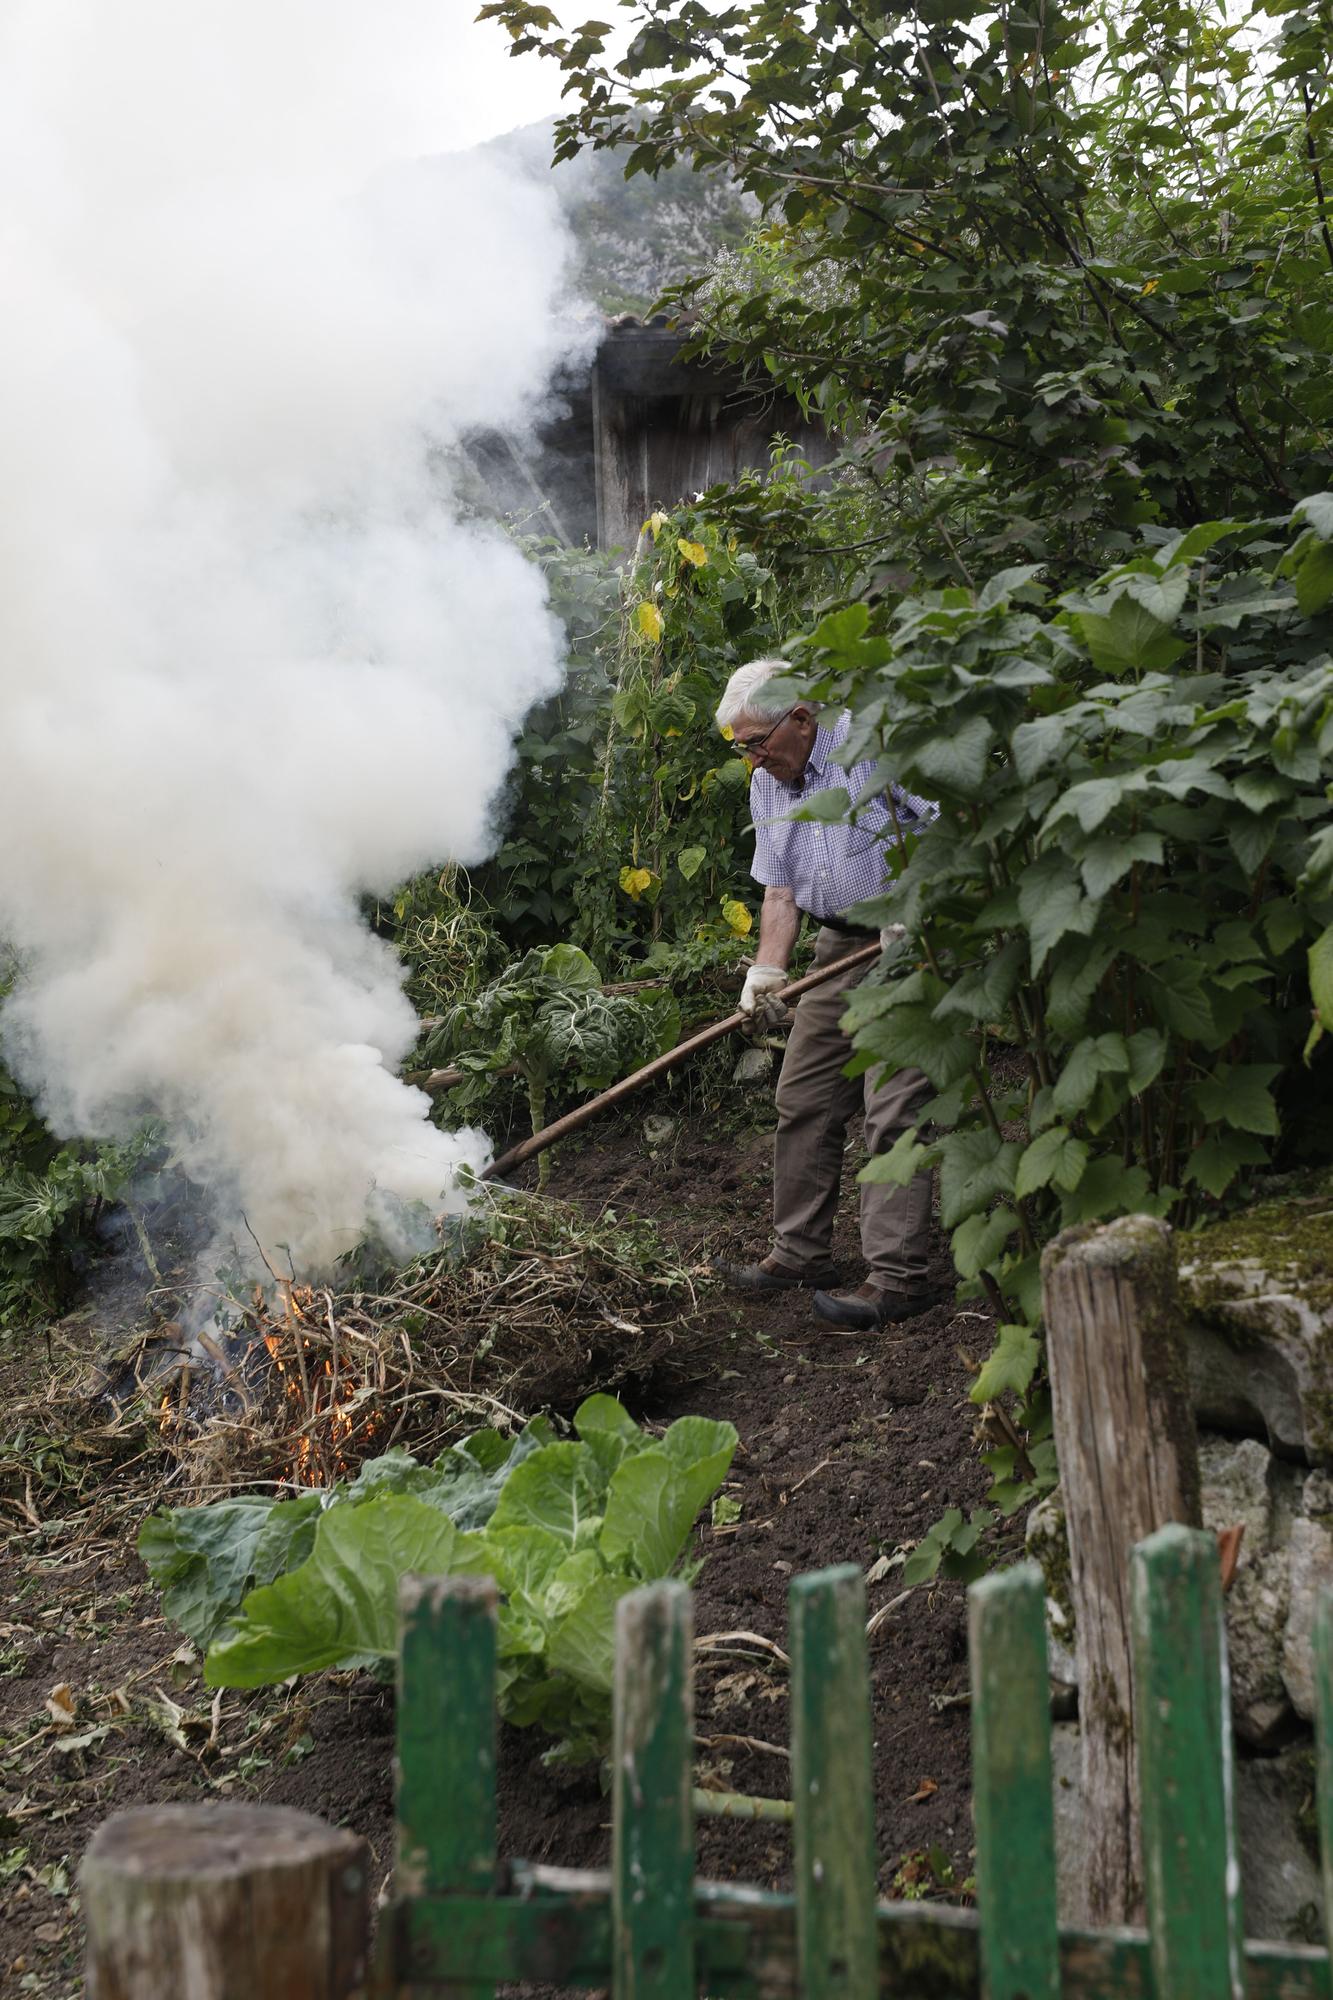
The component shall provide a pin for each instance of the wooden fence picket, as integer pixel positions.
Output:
(652, 1863)
(445, 1833)
(837, 1936)
(1011, 1786)
(1183, 1720)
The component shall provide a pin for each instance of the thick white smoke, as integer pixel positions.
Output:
(250, 664)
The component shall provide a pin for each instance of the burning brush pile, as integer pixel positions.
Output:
(530, 1307)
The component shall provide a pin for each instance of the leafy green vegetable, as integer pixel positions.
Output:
(205, 1559)
(340, 1607)
(566, 1527)
(547, 1016)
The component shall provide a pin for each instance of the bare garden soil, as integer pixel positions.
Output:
(851, 1446)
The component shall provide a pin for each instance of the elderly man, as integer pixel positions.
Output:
(819, 869)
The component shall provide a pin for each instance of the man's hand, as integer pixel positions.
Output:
(758, 1002)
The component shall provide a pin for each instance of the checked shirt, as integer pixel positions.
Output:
(830, 865)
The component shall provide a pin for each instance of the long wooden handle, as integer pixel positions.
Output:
(551, 1135)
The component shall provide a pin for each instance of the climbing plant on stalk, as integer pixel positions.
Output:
(625, 829)
(1118, 971)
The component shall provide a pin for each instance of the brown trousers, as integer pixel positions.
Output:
(816, 1102)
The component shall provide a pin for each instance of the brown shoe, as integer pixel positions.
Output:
(869, 1307)
(771, 1275)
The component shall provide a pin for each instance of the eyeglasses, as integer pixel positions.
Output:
(748, 747)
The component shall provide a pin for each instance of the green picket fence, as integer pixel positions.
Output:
(647, 1929)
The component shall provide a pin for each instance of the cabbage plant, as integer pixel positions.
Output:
(547, 1016)
(566, 1527)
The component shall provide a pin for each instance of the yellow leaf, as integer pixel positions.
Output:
(732, 545)
(61, 1705)
(655, 523)
(739, 918)
(725, 729)
(635, 880)
(649, 621)
(693, 552)
(1151, 286)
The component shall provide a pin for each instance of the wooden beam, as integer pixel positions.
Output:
(1125, 1443)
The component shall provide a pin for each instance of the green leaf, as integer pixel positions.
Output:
(984, 993)
(1257, 791)
(1107, 860)
(1089, 802)
(1238, 1094)
(1053, 1156)
(1164, 596)
(975, 1167)
(957, 759)
(583, 1643)
(950, 1548)
(1051, 903)
(834, 803)
(1106, 1189)
(1195, 542)
(524, 1559)
(977, 1243)
(924, 1561)
(1250, 840)
(604, 1413)
(1218, 1158)
(1129, 638)
(1283, 921)
(462, 1483)
(560, 1488)
(1147, 1053)
(1321, 976)
(656, 1495)
(203, 1558)
(1185, 1010)
(609, 1431)
(342, 1604)
(569, 966)
(1011, 1364)
(690, 860)
(911, 1038)
(1314, 578)
(1036, 744)
(1088, 1060)
(905, 1159)
(1078, 971)
(701, 1449)
(1315, 511)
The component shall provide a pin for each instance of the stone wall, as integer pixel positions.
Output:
(1258, 1292)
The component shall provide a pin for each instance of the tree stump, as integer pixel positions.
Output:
(1125, 1441)
(224, 1902)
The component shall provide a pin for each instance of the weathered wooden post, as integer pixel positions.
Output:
(224, 1902)
(1128, 1459)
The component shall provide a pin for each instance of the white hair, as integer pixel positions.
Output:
(743, 694)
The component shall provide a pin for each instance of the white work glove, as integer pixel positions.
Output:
(890, 935)
(758, 1001)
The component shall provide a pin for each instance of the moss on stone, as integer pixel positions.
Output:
(1288, 1237)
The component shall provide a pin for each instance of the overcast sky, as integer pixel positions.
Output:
(493, 93)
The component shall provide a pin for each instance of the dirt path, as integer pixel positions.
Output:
(851, 1446)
